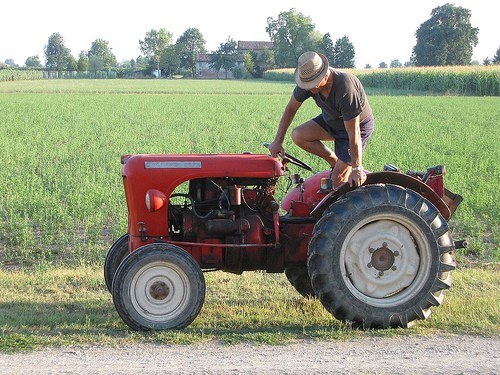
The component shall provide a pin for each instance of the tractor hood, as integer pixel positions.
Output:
(161, 174)
(187, 166)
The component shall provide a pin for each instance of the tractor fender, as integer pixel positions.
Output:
(386, 177)
(307, 192)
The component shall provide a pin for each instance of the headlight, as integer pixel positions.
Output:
(155, 200)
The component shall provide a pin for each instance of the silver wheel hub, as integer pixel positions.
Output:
(381, 259)
(160, 291)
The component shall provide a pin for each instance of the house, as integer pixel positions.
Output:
(253, 46)
(203, 69)
(257, 48)
(203, 61)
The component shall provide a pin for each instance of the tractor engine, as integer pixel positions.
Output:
(226, 211)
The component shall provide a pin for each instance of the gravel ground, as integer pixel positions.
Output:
(399, 355)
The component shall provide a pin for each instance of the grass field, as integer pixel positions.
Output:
(61, 307)
(61, 197)
(62, 201)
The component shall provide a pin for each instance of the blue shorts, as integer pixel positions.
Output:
(342, 139)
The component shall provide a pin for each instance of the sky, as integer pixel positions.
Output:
(380, 30)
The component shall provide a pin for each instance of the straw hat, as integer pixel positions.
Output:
(311, 69)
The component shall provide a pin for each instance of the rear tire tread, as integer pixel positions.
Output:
(330, 288)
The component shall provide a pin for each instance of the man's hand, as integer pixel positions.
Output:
(357, 178)
(276, 148)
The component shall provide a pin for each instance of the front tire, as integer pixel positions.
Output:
(158, 287)
(381, 257)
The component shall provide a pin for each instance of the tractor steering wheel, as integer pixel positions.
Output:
(287, 158)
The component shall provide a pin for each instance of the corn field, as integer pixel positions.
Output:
(20, 75)
(454, 81)
(79, 75)
(30, 75)
(464, 80)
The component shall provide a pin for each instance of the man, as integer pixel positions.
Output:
(346, 118)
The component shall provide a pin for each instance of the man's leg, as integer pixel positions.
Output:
(340, 173)
(309, 135)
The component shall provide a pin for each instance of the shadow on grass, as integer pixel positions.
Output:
(26, 326)
(54, 318)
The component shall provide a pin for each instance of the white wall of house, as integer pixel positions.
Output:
(203, 69)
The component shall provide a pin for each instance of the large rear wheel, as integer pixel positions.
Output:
(299, 278)
(158, 287)
(381, 257)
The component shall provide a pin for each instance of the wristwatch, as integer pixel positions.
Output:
(358, 168)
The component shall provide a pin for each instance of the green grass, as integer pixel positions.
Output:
(61, 197)
(460, 133)
(62, 203)
(61, 307)
(124, 86)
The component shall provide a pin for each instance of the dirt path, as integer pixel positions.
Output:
(399, 355)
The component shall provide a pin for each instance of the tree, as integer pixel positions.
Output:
(395, 64)
(267, 59)
(496, 58)
(127, 64)
(326, 47)
(170, 60)
(140, 61)
(72, 64)
(56, 53)
(382, 65)
(96, 63)
(225, 57)
(11, 62)
(83, 61)
(100, 48)
(292, 34)
(154, 43)
(343, 53)
(447, 38)
(249, 63)
(33, 62)
(190, 44)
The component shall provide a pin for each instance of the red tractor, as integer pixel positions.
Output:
(379, 255)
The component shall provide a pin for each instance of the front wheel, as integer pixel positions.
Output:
(381, 257)
(158, 287)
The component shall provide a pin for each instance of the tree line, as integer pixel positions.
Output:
(446, 38)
